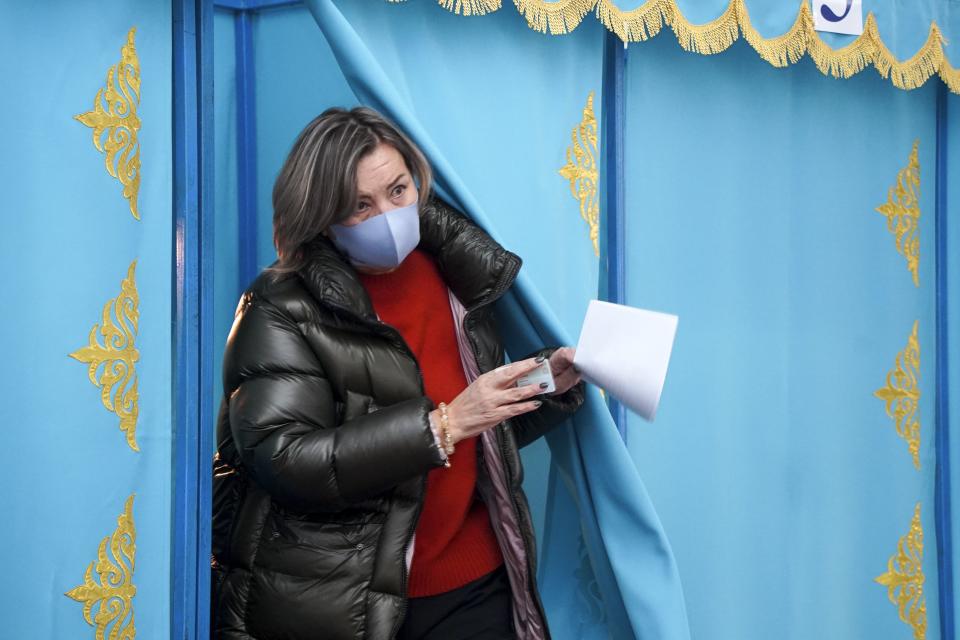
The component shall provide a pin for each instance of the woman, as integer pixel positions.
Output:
(368, 481)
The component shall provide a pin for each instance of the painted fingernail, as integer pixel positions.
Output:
(540, 359)
(544, 385)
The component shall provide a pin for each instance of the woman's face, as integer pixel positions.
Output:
(383, 183)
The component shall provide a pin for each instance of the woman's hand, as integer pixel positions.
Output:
(565, 375)
(491, 399)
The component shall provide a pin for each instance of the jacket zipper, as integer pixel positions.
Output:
(506, 279)
(502, 286)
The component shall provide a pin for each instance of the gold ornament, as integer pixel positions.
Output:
(581, 170)
(114, 593)
(904, 578)
(902, 394)
(118, 356)
(902, 210)
(115, 122)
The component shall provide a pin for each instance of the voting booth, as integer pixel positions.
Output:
(781, 179)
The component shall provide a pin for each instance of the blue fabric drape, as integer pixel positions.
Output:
(951, 142)
(756, 211)
(67, 243)
(606, 567)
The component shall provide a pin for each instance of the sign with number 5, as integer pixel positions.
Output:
(838, 16)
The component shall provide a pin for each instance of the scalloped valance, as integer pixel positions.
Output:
(912, 47)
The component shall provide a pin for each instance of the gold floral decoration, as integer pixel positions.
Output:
(902, 210)
(559, 17)
(117, 356)
(902, 394)
(581, 170)
(114, 590)
(115, 122)
(904, 578)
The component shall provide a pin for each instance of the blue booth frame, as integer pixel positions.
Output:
(193, 231)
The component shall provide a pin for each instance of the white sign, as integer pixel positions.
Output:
(626, 351)
(838, 16)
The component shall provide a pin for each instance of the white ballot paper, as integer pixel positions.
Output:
(626, 351)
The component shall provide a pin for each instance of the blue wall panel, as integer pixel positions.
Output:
(953, 318)
(943, 488)
(750, 213)
(283, 39)
(296, 79)
(226, 237)
(67, 241)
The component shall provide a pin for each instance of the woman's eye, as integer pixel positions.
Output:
(399, 189)
(361, 207)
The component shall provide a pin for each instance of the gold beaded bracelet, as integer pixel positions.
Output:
(445, 436)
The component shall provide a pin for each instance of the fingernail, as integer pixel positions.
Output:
(537, 403)
(540, 359)
(544, 385)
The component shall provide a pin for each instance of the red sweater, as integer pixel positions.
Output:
(455, 543)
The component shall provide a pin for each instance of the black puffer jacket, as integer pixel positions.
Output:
(324, 444)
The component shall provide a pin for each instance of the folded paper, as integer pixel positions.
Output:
(626, 352)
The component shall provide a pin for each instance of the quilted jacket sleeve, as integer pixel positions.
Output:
(284, 420)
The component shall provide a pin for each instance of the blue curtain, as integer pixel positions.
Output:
(951, 176)
(67, 243)
(752, 215)
(606, 567)
(283, 39)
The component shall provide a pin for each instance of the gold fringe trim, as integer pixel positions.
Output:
(638, 24)
(784, 49)
(845, 61)
(950, 76)
(465, 7)
(913, 72)
(554, 17)
(646, 21)
(470, 7)
(713, 37)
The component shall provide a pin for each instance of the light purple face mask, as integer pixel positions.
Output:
(381, 242)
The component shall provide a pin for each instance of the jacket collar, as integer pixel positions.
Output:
(474, 266)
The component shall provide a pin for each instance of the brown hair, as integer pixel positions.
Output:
(317, 185)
